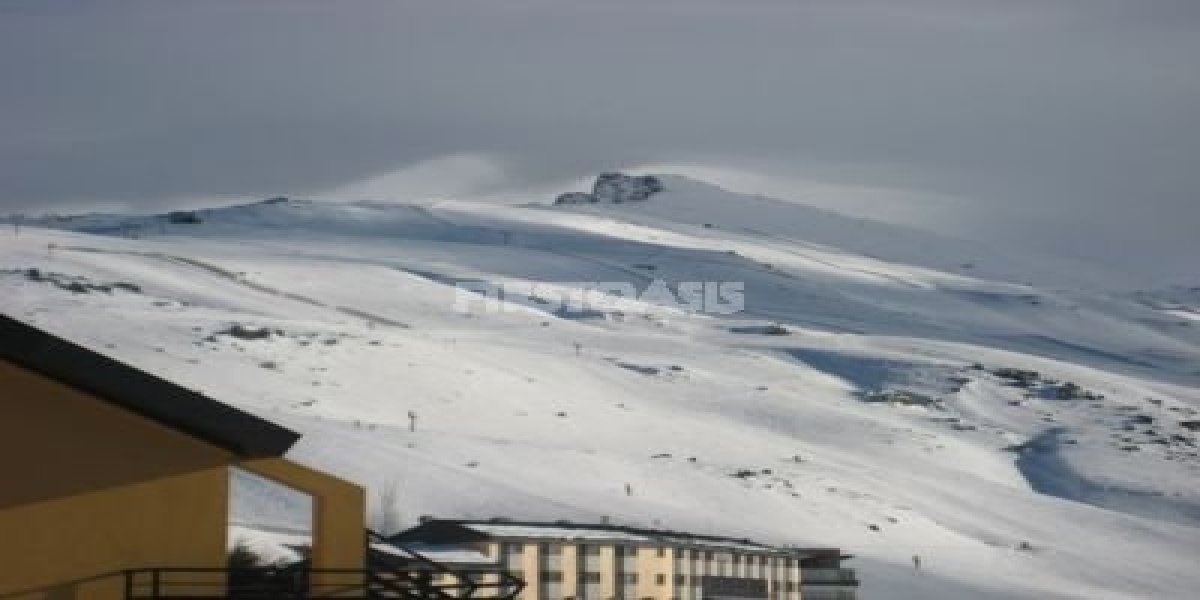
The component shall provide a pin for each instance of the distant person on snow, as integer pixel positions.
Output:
(916, 562)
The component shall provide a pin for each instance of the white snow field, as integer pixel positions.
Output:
(882, 422)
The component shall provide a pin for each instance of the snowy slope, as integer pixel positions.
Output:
(870, 425)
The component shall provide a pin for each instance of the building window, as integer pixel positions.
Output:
(511, 548)
(660, 579)
(660, 552)
(695, 554)
(791, 586)
(589, 577)
(708, 555)
(629, 578)
(551, 577)
(737, 559)
(549, 549)
(592, 550)
(681, 580)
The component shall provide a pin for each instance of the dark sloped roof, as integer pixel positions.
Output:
(473, 530)
(137, 391)
(440, 531)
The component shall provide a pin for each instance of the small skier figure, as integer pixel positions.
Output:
(916, 562)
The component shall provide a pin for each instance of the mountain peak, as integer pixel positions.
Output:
(615, 188)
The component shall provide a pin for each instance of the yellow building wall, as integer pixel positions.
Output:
(339, 509)
(57, 442)
(650, 566)
(531, 572)
(570, 562)
(608, 571)
(87, 489)
(55, 548)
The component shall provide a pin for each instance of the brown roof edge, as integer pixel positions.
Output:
(134, 390)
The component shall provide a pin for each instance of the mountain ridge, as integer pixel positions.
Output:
(882, 399)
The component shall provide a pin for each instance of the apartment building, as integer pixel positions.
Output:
(561, 560)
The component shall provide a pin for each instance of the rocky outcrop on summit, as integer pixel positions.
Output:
(615, 188)
(575, 198)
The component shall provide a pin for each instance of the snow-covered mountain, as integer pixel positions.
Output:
(1028, 427)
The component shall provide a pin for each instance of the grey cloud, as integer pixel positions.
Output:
(1039, 114)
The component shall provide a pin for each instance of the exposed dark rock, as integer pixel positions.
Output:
(575, 198)
(246, 333)
(903, 397)
(643, 369)
(1068, 391)
(75, 283)
(617, 187)
(184, 217)
(1021, 376)
(614, 188)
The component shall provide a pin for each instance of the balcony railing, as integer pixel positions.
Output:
(302, 583)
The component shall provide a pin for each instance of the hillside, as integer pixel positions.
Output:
(1022, 424)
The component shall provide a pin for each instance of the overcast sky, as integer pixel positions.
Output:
(1069, 125)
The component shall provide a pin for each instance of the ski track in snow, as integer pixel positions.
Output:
(234, 277)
